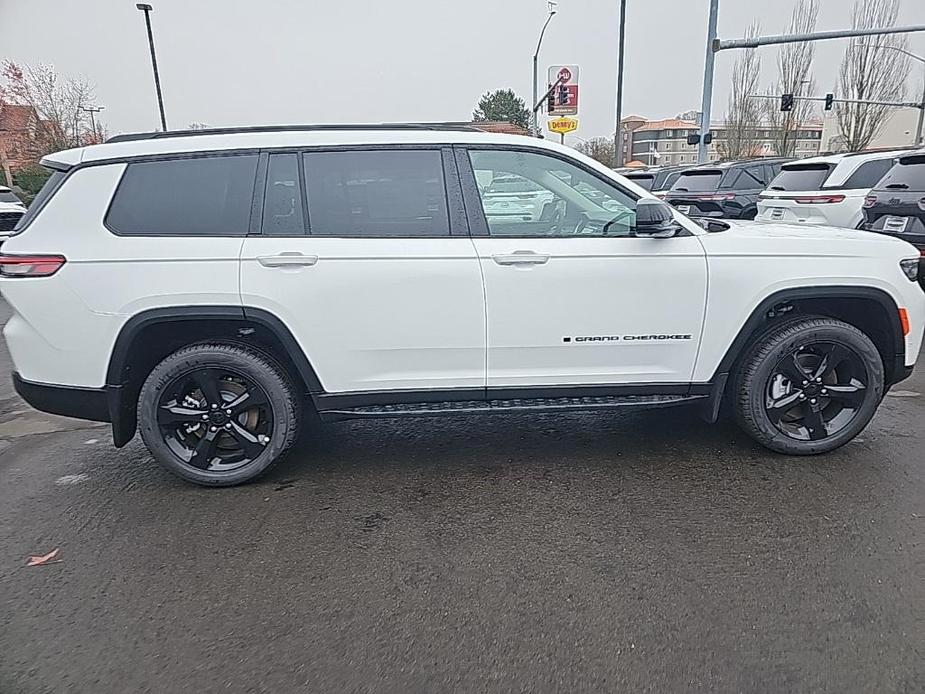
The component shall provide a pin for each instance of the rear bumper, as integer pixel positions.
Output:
(94, 404)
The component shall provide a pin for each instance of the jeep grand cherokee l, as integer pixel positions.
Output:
(209, 288)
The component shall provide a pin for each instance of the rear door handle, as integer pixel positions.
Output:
(521, 258)
(287, 259)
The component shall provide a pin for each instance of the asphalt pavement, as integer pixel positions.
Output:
(638, 552)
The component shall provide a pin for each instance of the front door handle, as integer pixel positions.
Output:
(287, 259)
(521, 258)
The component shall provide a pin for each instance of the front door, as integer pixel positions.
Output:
(363, 256)
(573, 297)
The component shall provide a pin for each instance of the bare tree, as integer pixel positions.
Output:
(794, 66)
(871, 69)
(60, 102)
(598, 148)
(743, 115)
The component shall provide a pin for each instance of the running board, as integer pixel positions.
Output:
(431, 409)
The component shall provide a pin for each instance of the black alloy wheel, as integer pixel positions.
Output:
(218, 414)
(816, 390)
(215, 419)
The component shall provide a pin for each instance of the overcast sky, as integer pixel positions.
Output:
(232, 62)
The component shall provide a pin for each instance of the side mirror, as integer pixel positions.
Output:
(655, 219)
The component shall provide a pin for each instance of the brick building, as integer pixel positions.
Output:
(20, 138)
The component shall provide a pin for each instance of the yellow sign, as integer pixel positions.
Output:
(563, 125)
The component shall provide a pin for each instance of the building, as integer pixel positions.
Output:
(898, 130)
(664, 142)
(20, 139)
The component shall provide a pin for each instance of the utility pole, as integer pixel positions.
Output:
(707, 99)
(144, 7)
(618, 133)
(536, 56)
(94, 110)
(714, 45)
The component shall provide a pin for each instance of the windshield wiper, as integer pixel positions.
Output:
(684, 190)
(897, 185)
(777, 188)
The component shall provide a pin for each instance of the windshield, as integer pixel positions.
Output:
(908, 174)
(801, 177)
(697, 181)
(8, 196)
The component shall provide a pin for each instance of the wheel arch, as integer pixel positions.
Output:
(151, 335)
(870, 309)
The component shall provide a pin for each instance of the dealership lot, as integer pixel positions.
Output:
(636, 552)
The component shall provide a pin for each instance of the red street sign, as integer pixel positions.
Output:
(564, 74)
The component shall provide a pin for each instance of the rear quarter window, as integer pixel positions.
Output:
(202, 196)
(868, 174)
(49, 188)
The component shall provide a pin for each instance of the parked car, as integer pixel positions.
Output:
(207, 288)
(657, 180)
(515, 197)
(824, 190)
(728, 190)
(11, 210)
(896, 205)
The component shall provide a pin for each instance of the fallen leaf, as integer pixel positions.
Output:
(38, 561)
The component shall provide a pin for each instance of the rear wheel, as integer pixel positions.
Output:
(217, 414)
(809, 386)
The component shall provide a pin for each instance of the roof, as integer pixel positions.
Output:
(667, 124)
(293, 136)
(16, 116)
(847, 163)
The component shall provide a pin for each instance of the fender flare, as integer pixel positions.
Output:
(122, 407)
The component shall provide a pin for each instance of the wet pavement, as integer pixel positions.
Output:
(638, 552)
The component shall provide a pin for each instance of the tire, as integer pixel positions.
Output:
(780, 403)
(223, 445)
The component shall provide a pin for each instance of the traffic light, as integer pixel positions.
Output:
(786, 102)
(829, 101)
(551, 101)
(563, 95)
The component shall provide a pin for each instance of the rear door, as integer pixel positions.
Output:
(363, 254)
(897, 205)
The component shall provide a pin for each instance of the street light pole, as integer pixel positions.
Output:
(918, 127)
(536, 56)
(92, 110)
(618, 133)
(144, 7)
(707, 99)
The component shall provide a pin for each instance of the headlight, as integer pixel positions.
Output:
(910, 267)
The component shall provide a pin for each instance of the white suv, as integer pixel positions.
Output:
(825, 190)
(208, 288)
(11, 211)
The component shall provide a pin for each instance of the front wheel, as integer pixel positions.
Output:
(217, 414)
(809, 386)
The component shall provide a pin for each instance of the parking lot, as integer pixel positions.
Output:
(569, 552)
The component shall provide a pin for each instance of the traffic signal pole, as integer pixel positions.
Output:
(714, 45)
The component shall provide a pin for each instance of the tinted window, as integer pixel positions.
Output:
(51, 185)
(752, 177)
(668, 180)
(207, 196)
(376, 193)
(697, 181)
(908, 174)
(570, 201)
(643, 181)
(282, 204)
(731, 179)
(801, 177)
(868, 174)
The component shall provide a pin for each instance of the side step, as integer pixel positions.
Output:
(431, 409)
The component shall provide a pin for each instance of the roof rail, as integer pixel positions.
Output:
(879, 150)
(130, 137)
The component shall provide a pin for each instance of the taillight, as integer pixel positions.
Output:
(30, 265)
(810, 199)
(870, 201)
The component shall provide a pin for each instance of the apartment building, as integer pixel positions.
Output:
(664, 142)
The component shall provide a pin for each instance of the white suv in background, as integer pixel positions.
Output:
(208, 287)
(11, 211)
(825, 190)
